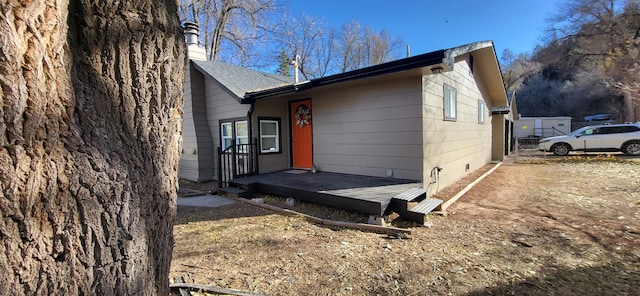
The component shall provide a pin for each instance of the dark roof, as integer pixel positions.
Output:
(249, 85)
(418, 61)
(239, 80)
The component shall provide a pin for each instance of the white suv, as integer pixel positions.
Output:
(597, 138)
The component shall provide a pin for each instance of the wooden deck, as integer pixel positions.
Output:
(369, 195)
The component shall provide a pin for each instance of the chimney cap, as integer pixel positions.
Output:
(191, 32)
(190, 25)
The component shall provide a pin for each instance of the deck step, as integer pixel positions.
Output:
(233, 192)
(426, 206)
(245, 186)
(411, 194)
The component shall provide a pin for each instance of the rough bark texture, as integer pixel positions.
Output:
(90, 101)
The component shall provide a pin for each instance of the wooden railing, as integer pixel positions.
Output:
(237, 161)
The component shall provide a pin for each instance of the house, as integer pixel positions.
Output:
(510, 116)
(542, 127)
(432, 118)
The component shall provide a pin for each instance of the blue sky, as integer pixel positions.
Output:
(428, 25)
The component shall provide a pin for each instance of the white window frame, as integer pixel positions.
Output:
(450, 101)
(234, 132)
(223, 137)
(239, 138)
(481, 106)
(276, 137)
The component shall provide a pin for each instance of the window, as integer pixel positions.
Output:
(230, 130)
(608, 130)
(588, 132)
(450, 103)
(242, 132)
(269, 135)
(630, 129)
(480, 112)
(226, 134)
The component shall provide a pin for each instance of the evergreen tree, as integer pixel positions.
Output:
(284, 67)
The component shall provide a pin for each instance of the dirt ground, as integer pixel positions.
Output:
(560, 228)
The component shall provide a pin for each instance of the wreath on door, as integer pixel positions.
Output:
(303, 115)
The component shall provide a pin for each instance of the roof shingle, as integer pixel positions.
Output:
(240, 80)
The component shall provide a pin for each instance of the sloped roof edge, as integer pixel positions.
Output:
(237, 80)
(451, 53)
(423, 60)
(446, 57)
(492, 74)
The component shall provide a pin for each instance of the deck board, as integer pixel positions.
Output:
(369, 195)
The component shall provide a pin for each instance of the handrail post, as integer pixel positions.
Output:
(219, 167)
(233, 158)
(255, 158)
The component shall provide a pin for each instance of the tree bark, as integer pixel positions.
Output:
(632, 106)
(91, 98)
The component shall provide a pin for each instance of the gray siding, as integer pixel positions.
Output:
(196, 163)
(369, 129)
(220, 106)
(273, 108)
(452, 145)
(205, 104)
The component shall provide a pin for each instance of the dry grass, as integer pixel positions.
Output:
(561, 228)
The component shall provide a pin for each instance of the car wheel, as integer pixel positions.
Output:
(560, 149)
(632, 148)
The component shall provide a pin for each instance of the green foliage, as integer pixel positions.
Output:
(284, 67)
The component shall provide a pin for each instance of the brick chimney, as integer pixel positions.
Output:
(191, 36)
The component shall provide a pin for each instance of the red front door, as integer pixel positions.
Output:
(301, 134)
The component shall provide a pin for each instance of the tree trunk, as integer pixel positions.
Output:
(631, 103)
(218, 31)
(91, 98)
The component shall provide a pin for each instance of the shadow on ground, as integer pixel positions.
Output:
(186, 215)
(580, 281)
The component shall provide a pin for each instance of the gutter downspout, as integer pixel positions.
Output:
(249, 121)
(250, 131)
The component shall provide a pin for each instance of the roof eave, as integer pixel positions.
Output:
(491, 70)
(251, 97)
(419, 61)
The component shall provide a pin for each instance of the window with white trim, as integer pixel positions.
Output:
(269, 135)
(226, 134)
(480, 111)
(450, 101)
(242, 132)
(230, 130)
